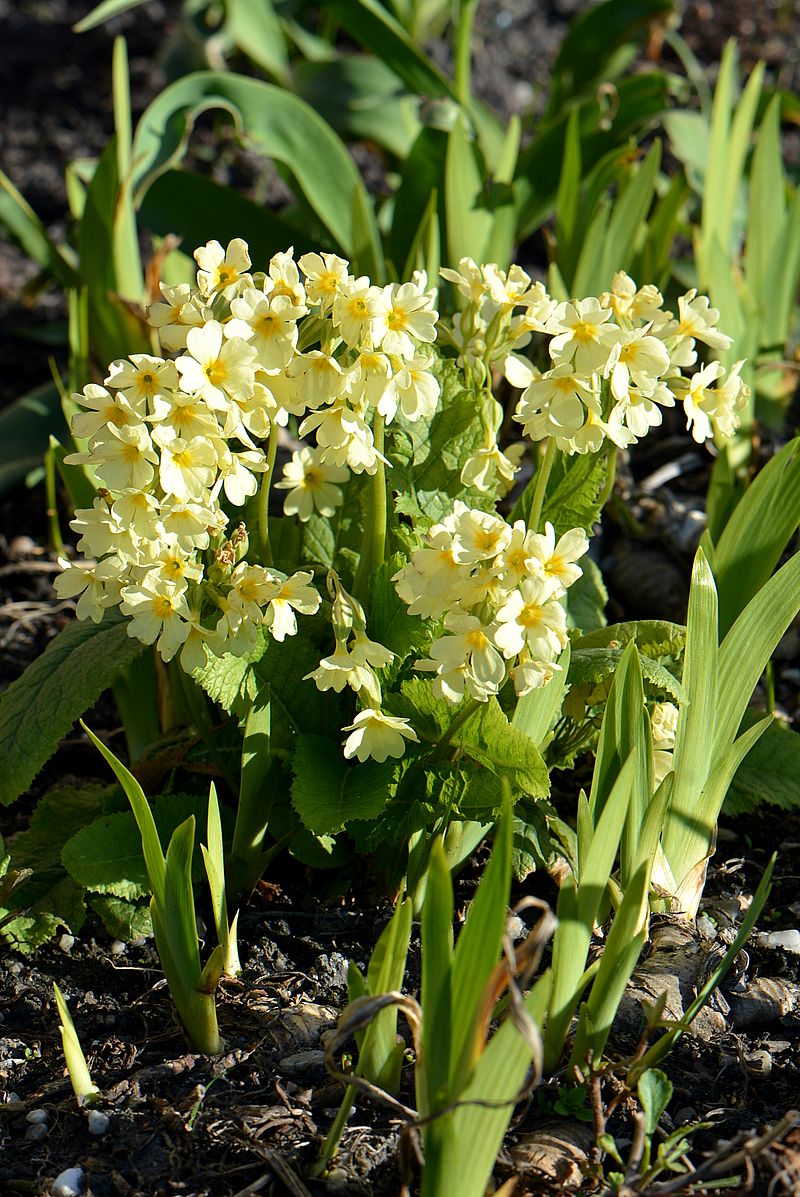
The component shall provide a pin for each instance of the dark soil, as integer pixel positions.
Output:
(253, 1119)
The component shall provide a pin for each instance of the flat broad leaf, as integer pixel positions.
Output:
(328, 793)
(490, 739)
(40, 707)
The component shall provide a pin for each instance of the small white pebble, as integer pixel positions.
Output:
(35, 1134)
(98, 1122)
(68, 1183)
(36, 1117)
(66, 942)
(118, 948)
(788, 940)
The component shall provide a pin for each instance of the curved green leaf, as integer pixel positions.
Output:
(267, 119)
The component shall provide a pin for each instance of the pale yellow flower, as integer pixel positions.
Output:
(377, 736)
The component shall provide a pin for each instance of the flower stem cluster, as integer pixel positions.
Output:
(615, 360)
(497, 590)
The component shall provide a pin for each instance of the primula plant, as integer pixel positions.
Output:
(435, 613)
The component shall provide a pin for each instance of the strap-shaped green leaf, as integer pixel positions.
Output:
(694, 738)
(178, 915)
(437, 955)
(621, 951)
(757, 533)
(578, 910)
(478, 950)
(476, 1130)
(151, 845)
(104, 12)
(27, 231)
(267, 118)
(767, 201)
(379, 1059)
(748, 646)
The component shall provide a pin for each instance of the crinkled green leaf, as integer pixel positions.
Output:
(427, 456)
(593, 665)
(769, 774)
(490, 739)
(107, 855)
(573, 493)
(654, 638)
(40, 707)
(430, 716)
(60, 908)
(58, 815)
(532, 847)
(390, 623)
(230, 680)
(328, 793)
(124, 920)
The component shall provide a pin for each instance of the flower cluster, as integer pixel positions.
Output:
(498, 589)
(615, 360)
(175, 443)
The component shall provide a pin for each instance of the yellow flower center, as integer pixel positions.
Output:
(215, 372)
(397, 319)
(131, 453)
(248, 590)
(162, 606)
(113, 414)
(358, 309)
(584, 333)
(477, 640)
(267, 325)
(486, 540)
(530, 616)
